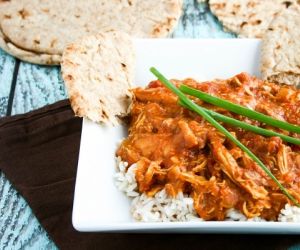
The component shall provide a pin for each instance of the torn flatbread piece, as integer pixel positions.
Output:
(280, 57)
(98, 71)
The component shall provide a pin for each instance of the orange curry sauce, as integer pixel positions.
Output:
(176, 149)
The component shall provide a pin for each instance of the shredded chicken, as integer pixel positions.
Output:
(176, 149)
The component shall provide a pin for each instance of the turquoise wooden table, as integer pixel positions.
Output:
(25, 87)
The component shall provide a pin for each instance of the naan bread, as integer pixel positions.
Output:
(98, 71)
(249, 18)
(280, 57)
(38, 30)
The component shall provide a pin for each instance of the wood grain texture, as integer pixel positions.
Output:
(19, 229)
(38, 86)
(198, 22)
(7, 64)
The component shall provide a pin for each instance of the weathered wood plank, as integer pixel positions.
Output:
(37, 86)
(19, 228)
(198, 22)
(7, 64)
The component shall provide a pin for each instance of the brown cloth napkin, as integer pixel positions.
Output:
(39, 154)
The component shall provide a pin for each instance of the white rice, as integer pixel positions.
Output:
(162, 208)
(235, 215)
(289, 214)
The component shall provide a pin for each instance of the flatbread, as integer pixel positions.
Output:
(280, 56)
(98, 71)
(43, 28)
(249, 18)
(28, 56)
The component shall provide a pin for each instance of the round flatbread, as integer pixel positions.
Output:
(98, 71)
(280, 56)
(248, 18)
(38, 58)
(38, 30)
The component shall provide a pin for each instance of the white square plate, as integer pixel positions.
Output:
(98, 205)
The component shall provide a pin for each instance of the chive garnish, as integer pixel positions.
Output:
(199, 110)
(238, 109)
(246, 126)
